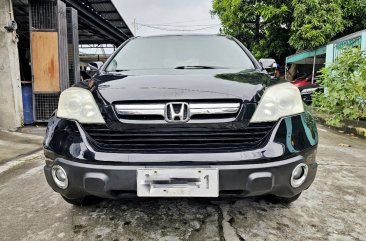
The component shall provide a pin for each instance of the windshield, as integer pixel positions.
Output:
(180, 52)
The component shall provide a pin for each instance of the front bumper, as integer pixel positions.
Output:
(112, 181)
(248, 173)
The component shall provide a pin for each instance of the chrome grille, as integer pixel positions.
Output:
(156, 112)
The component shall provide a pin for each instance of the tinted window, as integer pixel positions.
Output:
(174, 51)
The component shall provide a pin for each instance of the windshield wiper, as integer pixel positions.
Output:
(198, 67)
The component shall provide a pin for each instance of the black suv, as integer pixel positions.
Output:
(180, 116)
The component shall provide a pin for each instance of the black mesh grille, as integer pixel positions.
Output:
(45, 105)
(179, 139)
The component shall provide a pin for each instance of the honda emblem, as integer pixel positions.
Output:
(177, 112)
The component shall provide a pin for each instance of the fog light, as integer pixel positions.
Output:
(60, 177)
(299, 175)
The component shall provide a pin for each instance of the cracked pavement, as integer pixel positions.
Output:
(333, 208)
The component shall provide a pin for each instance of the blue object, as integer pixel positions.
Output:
(27, 103)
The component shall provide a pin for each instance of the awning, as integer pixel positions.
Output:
(301, 58)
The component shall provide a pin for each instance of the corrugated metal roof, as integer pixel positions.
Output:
(99, 21)
(107, 10)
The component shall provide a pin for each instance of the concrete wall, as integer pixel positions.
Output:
(11, 107)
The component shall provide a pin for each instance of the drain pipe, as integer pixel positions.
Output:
(10, 10)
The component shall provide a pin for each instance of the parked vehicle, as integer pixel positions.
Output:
(305, 80)
(180, 116)
(270, 66)
(308, 90)
(307, 87)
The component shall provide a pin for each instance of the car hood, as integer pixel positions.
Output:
(181, 85)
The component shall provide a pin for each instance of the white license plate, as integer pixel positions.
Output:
(177, 182)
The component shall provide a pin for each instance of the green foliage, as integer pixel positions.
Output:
(354, 12)
(345, 83)
(274, 30)
(315, 22)
(277, 28)
(237, 17)
(263, 27)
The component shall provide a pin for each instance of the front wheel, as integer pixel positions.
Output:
(84, 201)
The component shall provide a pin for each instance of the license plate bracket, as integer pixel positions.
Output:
(178, 182)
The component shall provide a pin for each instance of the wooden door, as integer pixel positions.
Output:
(45, 62)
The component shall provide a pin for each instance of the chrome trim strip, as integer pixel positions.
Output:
(213, 108)
(140, 107)
(195, 109)
(215, 120)
(214, 105)
(213, 111)
(148, 109)
(141, 112)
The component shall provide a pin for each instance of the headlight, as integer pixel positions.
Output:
(278, 101)
(79, 104)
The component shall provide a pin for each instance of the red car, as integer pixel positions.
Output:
(304, 80)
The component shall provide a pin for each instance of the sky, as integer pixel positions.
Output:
(155, 17)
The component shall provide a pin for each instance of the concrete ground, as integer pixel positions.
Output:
(333, 208)
(15, 144)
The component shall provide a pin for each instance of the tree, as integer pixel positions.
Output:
(354, 14)
(238, 18)
(274, 28)
(315, 22)
(263, 26)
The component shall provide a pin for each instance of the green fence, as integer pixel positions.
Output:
(339, 47)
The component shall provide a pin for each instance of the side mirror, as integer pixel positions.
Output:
(94, 66)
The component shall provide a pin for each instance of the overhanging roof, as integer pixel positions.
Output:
(298, 57)
(108, 11)
(99, 17)
(99, 21)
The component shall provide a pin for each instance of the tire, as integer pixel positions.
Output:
(283, 200)
(84, 201)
